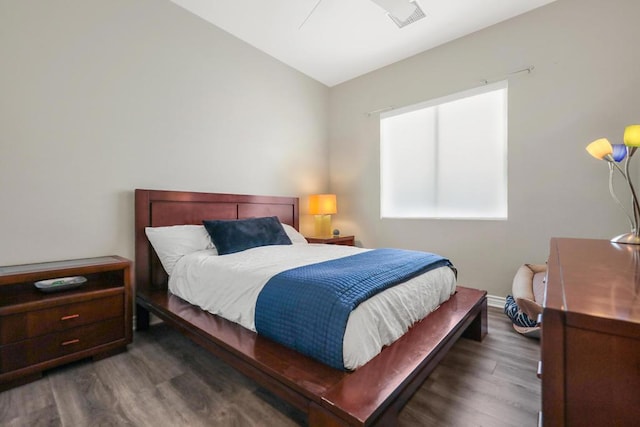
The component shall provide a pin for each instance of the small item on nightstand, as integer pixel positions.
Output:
(60, 284)
(336, 232)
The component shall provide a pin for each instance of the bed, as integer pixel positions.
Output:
(371, 395)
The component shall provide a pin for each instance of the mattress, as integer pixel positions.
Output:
(229, 285)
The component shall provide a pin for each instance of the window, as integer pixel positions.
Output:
(446, 158)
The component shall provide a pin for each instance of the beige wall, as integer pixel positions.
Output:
(98, 98)
(101, 97)
(585, 85)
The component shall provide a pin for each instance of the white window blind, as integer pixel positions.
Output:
(447, 157)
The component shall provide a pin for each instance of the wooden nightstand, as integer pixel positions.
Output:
(40, 330)
(340, 240)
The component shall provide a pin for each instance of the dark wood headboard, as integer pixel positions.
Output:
(157, 208)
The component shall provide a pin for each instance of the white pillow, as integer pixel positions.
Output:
(294, 236)
(173, 242)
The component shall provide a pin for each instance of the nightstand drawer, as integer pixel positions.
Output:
(36, 350)
(344, 242)
(33, 324)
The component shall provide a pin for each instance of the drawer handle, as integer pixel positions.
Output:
(70, 342)
(69, 317)
(539, 371)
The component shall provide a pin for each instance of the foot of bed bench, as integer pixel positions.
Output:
(477, 330)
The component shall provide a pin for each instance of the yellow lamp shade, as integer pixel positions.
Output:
(632, 136)
(600, 148)
(322, 204)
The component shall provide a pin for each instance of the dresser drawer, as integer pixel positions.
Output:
(47, 347)
(22, 326)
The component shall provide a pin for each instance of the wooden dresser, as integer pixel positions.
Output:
(41, 330)
(591, 334)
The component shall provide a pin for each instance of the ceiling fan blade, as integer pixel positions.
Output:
(310, 13)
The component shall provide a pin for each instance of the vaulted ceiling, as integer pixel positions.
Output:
(334, 41)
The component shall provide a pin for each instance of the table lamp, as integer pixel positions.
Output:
(323, 206)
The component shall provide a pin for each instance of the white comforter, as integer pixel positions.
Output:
(229, 286)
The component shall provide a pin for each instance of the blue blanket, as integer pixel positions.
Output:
(307, 308)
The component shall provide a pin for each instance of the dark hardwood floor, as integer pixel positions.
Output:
(165, 380)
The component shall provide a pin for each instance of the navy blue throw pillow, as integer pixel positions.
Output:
(231, 236)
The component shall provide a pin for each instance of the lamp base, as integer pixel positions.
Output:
(628, 238)
(323, 225)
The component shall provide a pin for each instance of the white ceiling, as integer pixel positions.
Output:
(344, 39)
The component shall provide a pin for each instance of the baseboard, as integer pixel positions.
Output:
(496, 301)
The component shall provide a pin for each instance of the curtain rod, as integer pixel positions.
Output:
(381, 110)
(527, 70)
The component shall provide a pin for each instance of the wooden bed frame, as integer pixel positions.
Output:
(371, 395)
